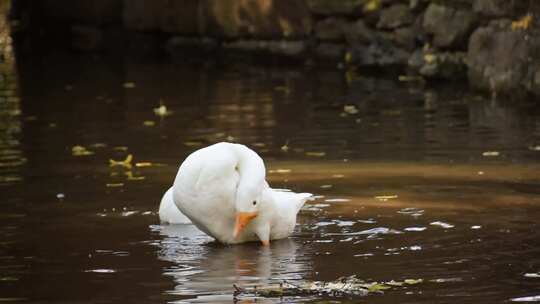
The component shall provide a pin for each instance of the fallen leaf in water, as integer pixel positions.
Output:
(149, 123)
(128, 85)
(115, 185)
(285, 147)
(377, 287)
(123, 163)
(534, 148)
(130, 176)
(230, 138)
(385, 197)
(98, 145)
(350, 109)
(162, 110)
(490, 153)
(326, 186)
(407, 78)
(144, 164)
(120, 148)
(532, 275)
(259, 144)
(316, 154)
(80, 151)
(193, 143)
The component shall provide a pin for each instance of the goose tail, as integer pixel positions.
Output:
(169, 212)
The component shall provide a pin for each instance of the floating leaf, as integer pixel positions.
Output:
(144, 164)
(162, 110)
(115, 185)
(123, 163)
(149, 123)
(384, 198)
(193, 143)
(80, 151)
(120, 148)
(350, 109)
(130, 176)
(128, 85)
(413, 281)
(316, 154)
(491, 153)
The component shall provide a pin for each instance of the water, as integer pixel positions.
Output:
(436, 183)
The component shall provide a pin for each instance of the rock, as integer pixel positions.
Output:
(405, 37)
(502, 60)
(330, 51)
(358, 33)
(381, 52)
(336, 7)
(450, 27)
(499, 8)
(439, 65)
(395, 16)
(270, 19)
(182, 45)
(283, 47)
(330, 29)
(143, 15)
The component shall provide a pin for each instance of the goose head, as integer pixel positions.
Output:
(247, 206)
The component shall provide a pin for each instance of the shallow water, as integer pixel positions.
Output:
(412, 183)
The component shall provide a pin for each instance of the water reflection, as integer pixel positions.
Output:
(11, 156)
(405, 186)
(202, 268)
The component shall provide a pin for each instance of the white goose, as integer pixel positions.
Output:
(223, 191)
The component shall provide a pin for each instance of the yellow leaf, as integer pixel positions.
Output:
(430, 58)
(80, 151)
(523, 23)
(316, 154)
(122, 163)
(114, 185)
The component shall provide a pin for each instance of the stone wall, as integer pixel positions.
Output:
(493, 43)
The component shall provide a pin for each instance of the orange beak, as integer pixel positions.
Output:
(242, 220)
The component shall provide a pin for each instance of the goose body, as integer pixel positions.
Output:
(218, 185)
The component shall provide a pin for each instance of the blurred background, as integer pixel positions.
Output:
(416, 124)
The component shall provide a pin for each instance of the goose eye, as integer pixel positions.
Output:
(254, 203)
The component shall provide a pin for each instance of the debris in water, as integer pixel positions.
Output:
(129, 85)
(162, 110)
(149, 123)
(80, 151)
(100, 270)
(350, 109)
(442, 224)
(476, 227)
(326, 186)
(193, 143)
(114, 185)
(60, 196)
(384, 198)
(532, 275)
(344, 287)
(143, 164)
(126, 163)
(316, 154)
(130, 176)
(534, 148)
(490, 153)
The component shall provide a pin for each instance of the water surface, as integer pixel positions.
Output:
(438, 183)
